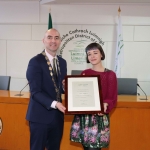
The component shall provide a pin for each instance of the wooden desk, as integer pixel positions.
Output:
(130, 124)
(15, 132)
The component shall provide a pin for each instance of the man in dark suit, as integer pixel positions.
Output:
(45, 111)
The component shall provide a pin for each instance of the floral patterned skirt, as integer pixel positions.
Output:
(91, 130)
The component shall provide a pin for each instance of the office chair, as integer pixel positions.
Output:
(127, 86)
(76, 72)
(4, 82)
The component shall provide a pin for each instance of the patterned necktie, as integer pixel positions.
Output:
(54, 68)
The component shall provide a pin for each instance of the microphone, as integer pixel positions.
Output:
(143, 92)
(21, 90)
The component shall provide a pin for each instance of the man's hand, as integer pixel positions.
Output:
(60, 107)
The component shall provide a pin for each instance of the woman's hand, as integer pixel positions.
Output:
(105, 108)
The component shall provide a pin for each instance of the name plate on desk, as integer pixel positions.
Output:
(83, 94)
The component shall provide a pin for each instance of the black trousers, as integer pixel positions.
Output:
(46, 135)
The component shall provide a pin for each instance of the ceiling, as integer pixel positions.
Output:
(88, 2)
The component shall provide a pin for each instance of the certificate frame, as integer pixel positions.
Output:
(83, 94)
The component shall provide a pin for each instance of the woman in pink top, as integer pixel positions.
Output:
(93, 131)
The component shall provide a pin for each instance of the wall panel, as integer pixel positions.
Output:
(22, 52)
(15, 32)
(19, 12)
(142, 33)
(3, 57)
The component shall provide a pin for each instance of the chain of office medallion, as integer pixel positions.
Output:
(51, 74)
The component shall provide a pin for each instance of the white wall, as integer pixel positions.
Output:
(22, 26)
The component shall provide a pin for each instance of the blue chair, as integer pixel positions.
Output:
(4, 82)
(127, 86)
(76, 72)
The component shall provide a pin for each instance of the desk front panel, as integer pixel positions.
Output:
(130, 124)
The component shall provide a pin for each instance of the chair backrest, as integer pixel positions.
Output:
(127, 86)
(76, 72)
(4, 82)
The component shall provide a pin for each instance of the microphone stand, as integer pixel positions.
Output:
(143, 92)
(21, 91)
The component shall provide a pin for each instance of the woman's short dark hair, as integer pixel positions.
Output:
(93, 46)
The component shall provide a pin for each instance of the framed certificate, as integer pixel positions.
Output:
(83, 94)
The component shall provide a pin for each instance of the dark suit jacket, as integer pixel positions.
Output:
(42, 90)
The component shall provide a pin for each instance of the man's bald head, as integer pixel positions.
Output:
(51, 30)
(52, 41)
